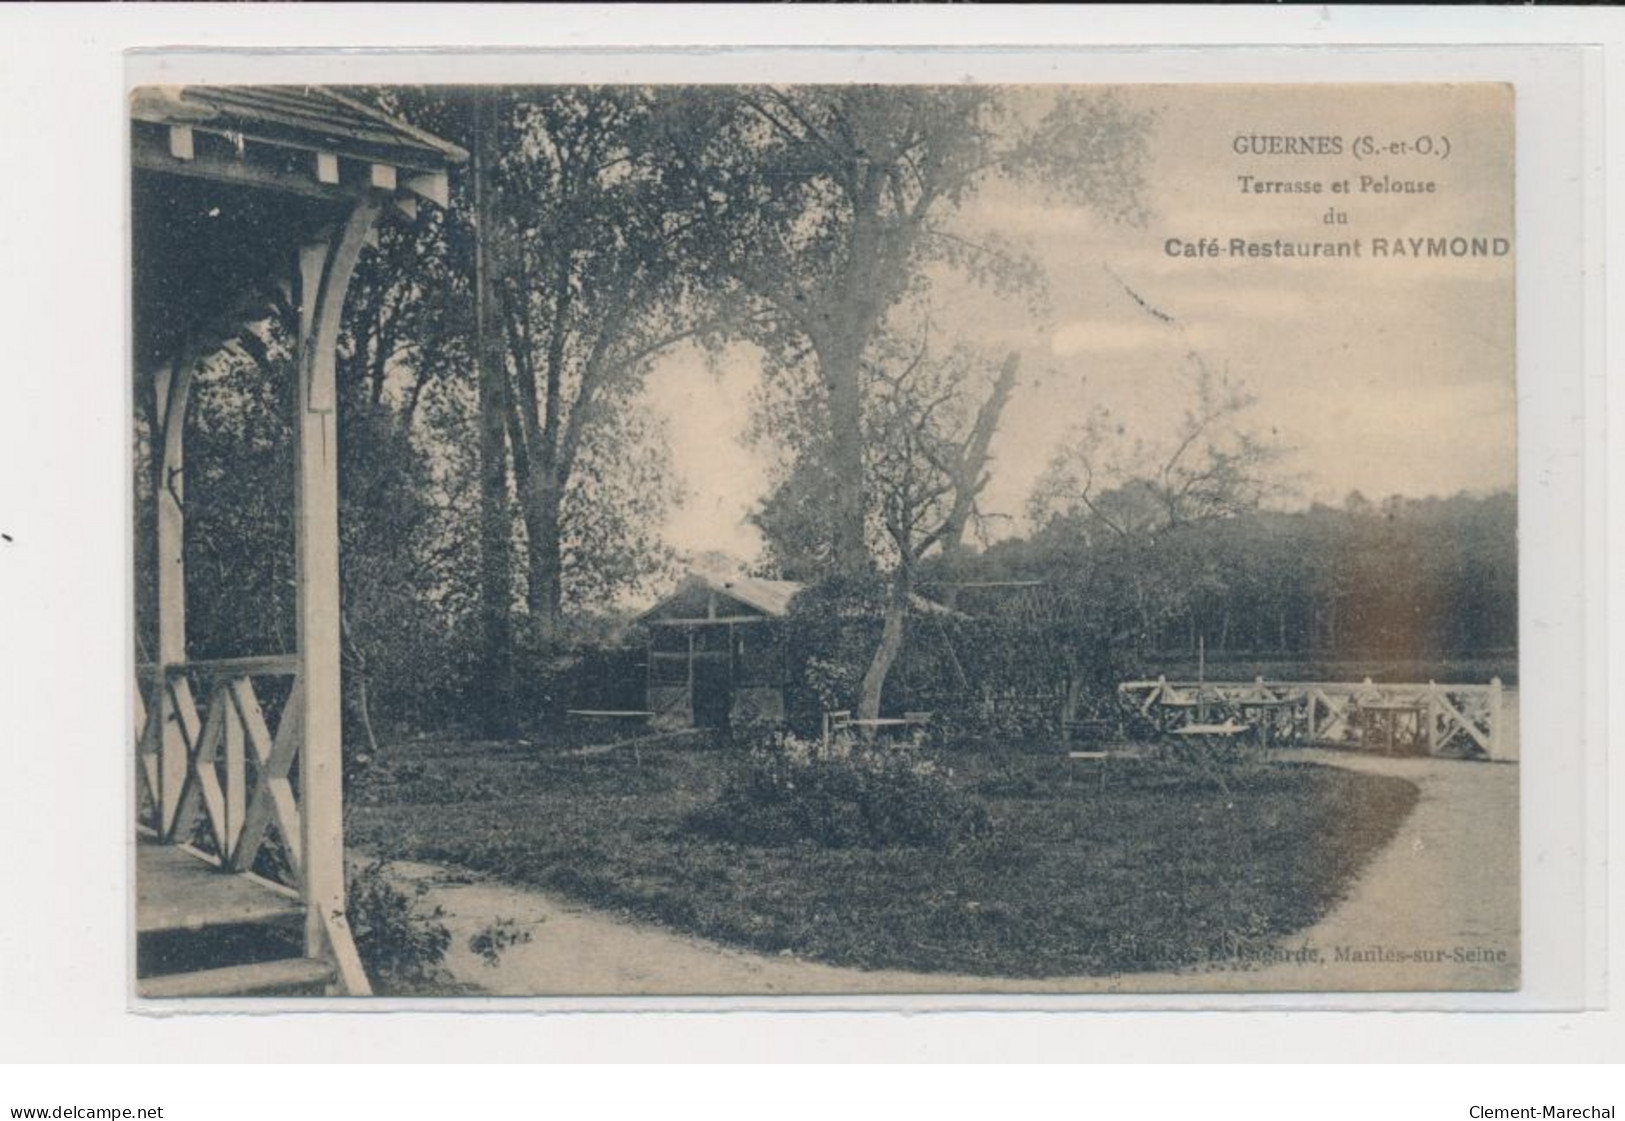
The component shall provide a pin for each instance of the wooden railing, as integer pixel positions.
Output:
(224, 781)
(223, 762)
(1431, 717)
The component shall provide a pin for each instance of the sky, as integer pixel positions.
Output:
(1383, 375)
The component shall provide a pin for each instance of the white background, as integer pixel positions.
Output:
(63, 471)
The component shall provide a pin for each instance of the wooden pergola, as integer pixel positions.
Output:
(238, 195)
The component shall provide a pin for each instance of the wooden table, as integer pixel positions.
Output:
(882, 724)
(1269, 711)
(1382, 720)
(1212, 735)
(1195, 705)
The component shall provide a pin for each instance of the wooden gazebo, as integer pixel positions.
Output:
(238, 193)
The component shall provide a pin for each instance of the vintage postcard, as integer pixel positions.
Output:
(719, 540)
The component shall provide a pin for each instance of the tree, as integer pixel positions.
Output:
(826, 206)
(496, 563)
(928, 453)
(1120, 518)
(595, 281)
(1215, 466)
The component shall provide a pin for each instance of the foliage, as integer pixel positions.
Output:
(831, 631)
(594, 279)
(825, 207)
(1411, 590)
(402, 946)
(1216, 465)
(1407, 580)
(402, 552)
(846, 794)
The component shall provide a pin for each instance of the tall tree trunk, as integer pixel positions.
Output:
(496, 689)
(974, 459)
(1071, 696)
(544, 588)
(858, 314)
(841, 364)
(892, 634)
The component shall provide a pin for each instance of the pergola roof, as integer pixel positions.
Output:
(229, 180)
(299, 115)
(307, 140)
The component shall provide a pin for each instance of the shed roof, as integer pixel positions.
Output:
(771, 597)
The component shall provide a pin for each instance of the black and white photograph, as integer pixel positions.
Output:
(823, 539)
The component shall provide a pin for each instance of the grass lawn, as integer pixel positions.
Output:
(1156, 871)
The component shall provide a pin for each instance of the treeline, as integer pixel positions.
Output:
(1405, 579)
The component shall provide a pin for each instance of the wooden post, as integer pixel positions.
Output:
(1433, 717)
(691, 716)
(324, 276)
(236, 778)
(146, 765)
(1497, 720)
(174, 384)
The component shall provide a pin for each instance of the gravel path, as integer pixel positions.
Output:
(1443, 894)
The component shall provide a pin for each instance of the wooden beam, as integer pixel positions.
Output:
(382, 176)
(435, 187)
(709, 622)
(327, 167)
(203, 783)
(149, 155)
(180, 732)
(291, 974)
(146, 753)
(180, 142)
(261, 665)
(273, 798)
(174, 387)
(236, 800)
(1497, 717)
(321, 310)
(317, 548)
(351, 146)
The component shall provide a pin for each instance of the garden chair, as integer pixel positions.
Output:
(834, 722)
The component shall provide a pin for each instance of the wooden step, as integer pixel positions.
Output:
(238, 980)
(175, 890)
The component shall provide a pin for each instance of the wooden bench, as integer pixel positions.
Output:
(1102, 758)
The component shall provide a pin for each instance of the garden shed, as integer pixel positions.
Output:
(717, 651)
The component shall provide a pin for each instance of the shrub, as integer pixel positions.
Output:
(401, 945)
(492, 939)
(844, 795)
(831, 633)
